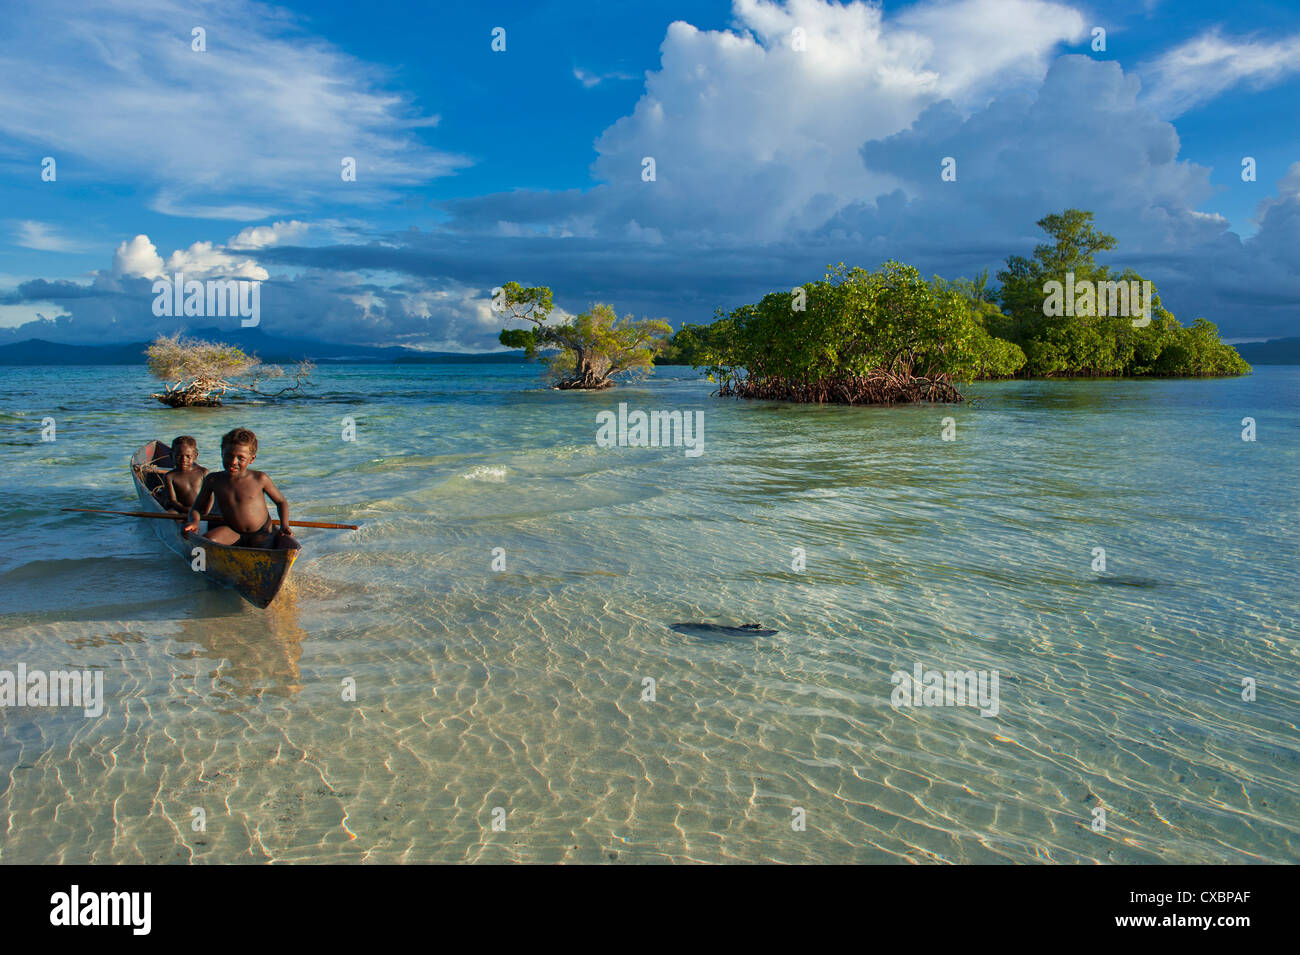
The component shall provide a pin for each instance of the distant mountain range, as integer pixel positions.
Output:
(37, 351)
(1278, 351)
(268, 348)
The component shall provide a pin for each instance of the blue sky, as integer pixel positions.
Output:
(475, 167)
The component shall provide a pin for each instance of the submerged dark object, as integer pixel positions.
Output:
(716, 630)
(1121, 581)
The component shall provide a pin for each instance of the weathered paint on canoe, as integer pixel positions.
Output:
(255, 573)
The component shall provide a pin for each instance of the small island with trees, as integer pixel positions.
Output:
(892, 336)
(586, 352)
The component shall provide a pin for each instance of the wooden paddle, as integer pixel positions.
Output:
(181, 517)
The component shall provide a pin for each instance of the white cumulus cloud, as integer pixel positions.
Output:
(137, 258)
(755, 130)
(262, 236)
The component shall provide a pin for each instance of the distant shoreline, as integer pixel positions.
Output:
(269, 350)
(36, 352)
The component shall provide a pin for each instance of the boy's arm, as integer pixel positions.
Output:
(203, 481)
(169, 494)
(202, 501)
(281, 505)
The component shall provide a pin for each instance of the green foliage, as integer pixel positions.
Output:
(1047, 340)
(857, 325)
(588, 350)
(1199, 351)
(996, 357)
(685, 347)
(524, 338)
(1096, 344)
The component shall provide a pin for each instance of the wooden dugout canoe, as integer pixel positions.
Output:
(257, 574)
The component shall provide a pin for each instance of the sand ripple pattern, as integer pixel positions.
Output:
(517, 696)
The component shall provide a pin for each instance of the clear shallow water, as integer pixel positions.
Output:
(522, 689)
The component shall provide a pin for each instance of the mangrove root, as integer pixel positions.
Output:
(878, 389)
(584, 383)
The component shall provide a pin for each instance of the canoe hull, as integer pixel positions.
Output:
(256, 574)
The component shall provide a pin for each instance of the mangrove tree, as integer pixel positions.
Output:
(198, 373)
(585, 352)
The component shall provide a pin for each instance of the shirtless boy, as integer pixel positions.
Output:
(241, 493)
(180, 485)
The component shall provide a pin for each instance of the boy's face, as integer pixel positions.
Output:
(184, 457)
(237, 457)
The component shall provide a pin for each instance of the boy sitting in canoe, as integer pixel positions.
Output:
(241, 494)
(180, 485)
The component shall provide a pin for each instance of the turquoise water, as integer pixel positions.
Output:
(521, 690)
